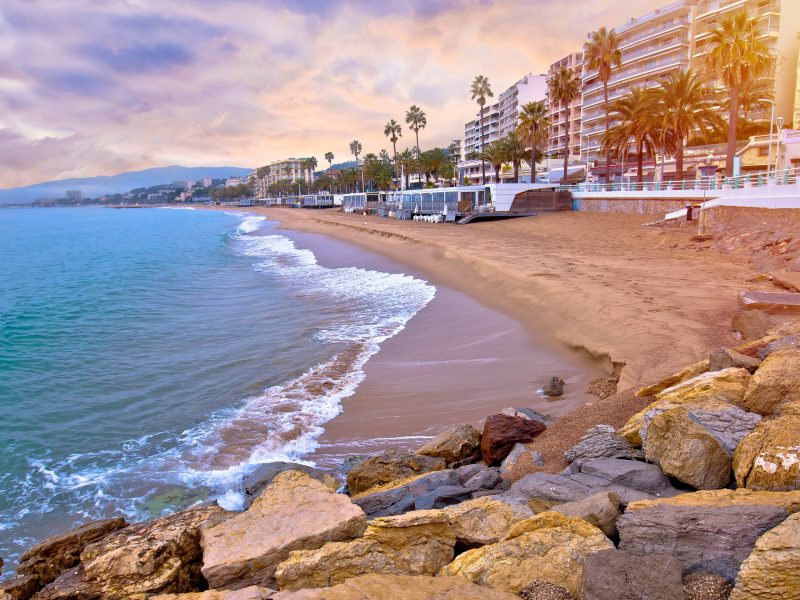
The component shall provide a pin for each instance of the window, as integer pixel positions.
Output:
(763, 151)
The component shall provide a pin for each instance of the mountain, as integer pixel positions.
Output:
(116, 184)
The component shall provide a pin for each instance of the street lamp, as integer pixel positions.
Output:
(771, 123)
(779, 123)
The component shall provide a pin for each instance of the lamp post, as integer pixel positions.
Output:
(779, 123)
(771, 123)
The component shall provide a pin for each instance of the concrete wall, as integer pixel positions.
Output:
(631, 206)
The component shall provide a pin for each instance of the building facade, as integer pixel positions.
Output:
(476, 136)
(560, 113)
(531, 88)
(74, 196)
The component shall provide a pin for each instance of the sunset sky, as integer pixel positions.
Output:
(95, 87)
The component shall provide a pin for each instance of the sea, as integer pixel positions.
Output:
(151, 358)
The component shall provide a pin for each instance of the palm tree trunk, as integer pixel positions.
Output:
(639, 163)
(733, 121)
(533, 162)
(566, 151)
(394, 165)
(480, 139)
(516, 172)
(605, 107)
(679, 157)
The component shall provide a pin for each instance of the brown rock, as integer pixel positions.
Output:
(485, 520)
(544, 590)
(773, 303)
(252, 592)
(501, 432)
(399, 587)
(70, 586)
(769, 457)
(417, 543)
(390, 466)
(19, 588)
(772, 570)
(454, 445)
(790, 501)
(689, 372)
(48, 559)
(254, 483)
(705, 586)
(294, 512)
(752, 324)
(684, 449)
(725, 358)
(616, 575)
(601, 510)
(775, 382)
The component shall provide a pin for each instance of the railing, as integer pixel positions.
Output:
(750, 180)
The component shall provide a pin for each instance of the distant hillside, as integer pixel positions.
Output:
(350, 164)
(116, 184)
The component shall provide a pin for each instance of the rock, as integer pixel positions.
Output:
(252, 592)
(48, 559)
(685, 450)
(294, 512)
(485, 479)
(554, 387)
(616, 575)
(787, 342)
(705, 586)
(454, 445)
(254, 483)
(790, 501)
(775, 382)
(752, 324)
(528, 413)
(390, 466)
(772, 303)
(544, 590)
(442, 496)
(71, 586)
(630, 480)
(772, 570)
(601, 510)
(417, 543)
(711, 389)
(726, 422)
(689, 372)
(485, 520)
(725, 358)
(516, 453)
(19, 588)
(501, 432)
(702, 538)
(769, 458)
(602, 441)
(553, 551)
(399, 587)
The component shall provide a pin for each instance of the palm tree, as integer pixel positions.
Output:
(480, 91)
(416, 120)
(355, 150)
(310, 165)
(635, 117)
(534, 123)
(686, 104)
(515, 150)
(565, 87)
(329, 158)
(407, 161)
(602, 52)
(495, 155)
(393, 131)
(737, 58)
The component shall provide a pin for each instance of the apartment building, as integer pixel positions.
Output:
(675, 37)
(560, 113)
(475, 137)
(531, 88)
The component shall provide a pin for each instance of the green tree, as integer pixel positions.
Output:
(602, 53)
(416, 120)
(565, 87)
(515, 150)
(495, 155)
(355, 150)
(329, 158)
(534, 123)
(408, 162)
(737, 58)
(393, 131)
(636, 120)
(480, 90)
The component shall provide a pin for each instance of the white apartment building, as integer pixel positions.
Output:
(531, 88)
(290, 169)
(560, 113)
(476, 138)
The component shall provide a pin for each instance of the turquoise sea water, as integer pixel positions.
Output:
(149, 358)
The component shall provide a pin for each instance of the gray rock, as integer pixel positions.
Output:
(516, 453)
(528, 413)
(725, 358)
(554, 387)
(630, 480)
(442, 496)
(487, 479)
(603, 441)
(703, 538)
(254, 483)
(617, 575)
(786, 342)
(467, 472)
(601, 510)
(729, 425)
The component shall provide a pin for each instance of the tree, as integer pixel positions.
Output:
(453, 151)
(434, 162)
(737, 58)
(393, 131)
(514, 150)
(416, 120)
(348, 178)
(329, 158)
(408, 162)
(602, 52)
(355, 150)
(636, 121)
(495, 155)
(686, 104)
(480, 91)
(532, 130)
(565, 87)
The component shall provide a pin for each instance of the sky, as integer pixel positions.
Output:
(97, 87)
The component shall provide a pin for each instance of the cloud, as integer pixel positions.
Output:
(140, 58)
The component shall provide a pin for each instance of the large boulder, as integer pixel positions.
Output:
(776, 381)
(19, 588)
(254, 483)
(769, 457)
(601, 510)
(772, 570)
(159, 556)
(454, 445)
(725, 358)
(687, 373)
(417, 543)
(616, 575)
(602, 441)
(751, 324)
(703, 391)
(631, 480)
(790, 501)
(702, 538)
(485, 520)
(551, 548)
(726, 422)
(501, 432)
(685, 450)
(252, 592)
(399, 587)
(390, 466)
(295, 512)
(48, 559)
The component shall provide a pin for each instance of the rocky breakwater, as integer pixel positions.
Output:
(695, 497)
